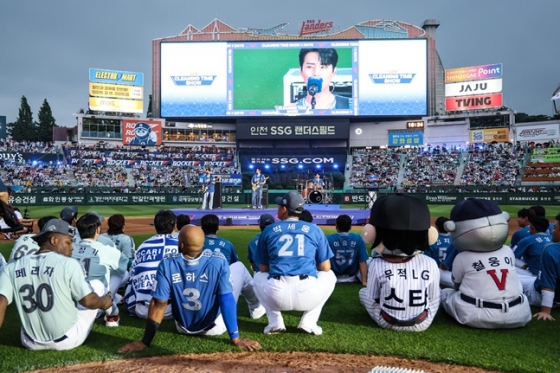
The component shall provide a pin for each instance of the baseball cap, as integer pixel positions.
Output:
(56, 226)
(266, 219)
(69, 213)
(400, 212)
(474, 208)
(540, 223)
(293, 201)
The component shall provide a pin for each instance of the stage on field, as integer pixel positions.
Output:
(322, 214)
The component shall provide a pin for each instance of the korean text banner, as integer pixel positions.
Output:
(489, 135)
(405, 138)
(243, 79)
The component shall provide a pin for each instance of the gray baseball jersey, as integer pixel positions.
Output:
(24, 245)
(45, 288)
(123, 242)
(98, 259)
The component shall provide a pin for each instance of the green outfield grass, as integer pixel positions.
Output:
(347, 329)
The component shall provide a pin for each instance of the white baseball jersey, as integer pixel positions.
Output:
(402, 292)
(490, 281)
(487, 275)
(123, 242)
(24, 245)
(2, 262)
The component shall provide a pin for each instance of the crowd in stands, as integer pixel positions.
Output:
(430, 168)
(492, 164)
(28, 147)
(384, 162)
(494, 167)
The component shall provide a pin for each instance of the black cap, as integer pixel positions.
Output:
(400, 212)
(474, 208)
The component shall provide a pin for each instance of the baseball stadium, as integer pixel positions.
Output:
(365, 132)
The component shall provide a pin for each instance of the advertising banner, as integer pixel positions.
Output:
(268, 79)
(464, 74)
(116, 77)
(473, 88)
(116, 104)
(116, 91)
(225, 179)
(309, 159)
(537, 132)
(474, 102)
(295, 131)
(489, 135)
(405, 138)
(141, 132)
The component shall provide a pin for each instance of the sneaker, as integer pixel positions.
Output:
(274, 329)
(112, 321)
(316, 330)
(257, 313)
(8, 236)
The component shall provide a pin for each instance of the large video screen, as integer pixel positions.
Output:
(294, 78)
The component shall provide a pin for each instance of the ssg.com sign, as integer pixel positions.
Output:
(294, 160)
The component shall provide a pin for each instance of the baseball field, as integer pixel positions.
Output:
(351, 341)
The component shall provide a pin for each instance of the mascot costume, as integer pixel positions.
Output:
(488, 293)
(402, 290)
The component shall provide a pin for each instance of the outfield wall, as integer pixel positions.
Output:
(342, 198)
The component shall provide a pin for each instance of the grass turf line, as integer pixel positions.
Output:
(347, 328)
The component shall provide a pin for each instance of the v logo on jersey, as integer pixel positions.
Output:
(500, 283)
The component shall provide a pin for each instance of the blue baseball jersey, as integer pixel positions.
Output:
(207, 181)
(258, 179)
(144, 267)
(292, 247)
(549, 276)
(221, 245)
(518, 235)
(318, 182)
(193, 287)
(252, 252)
(530, 249)
(450, 256)
(349, 251)
(438, 251)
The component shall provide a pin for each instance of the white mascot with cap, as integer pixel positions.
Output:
(488, 293)
(402, 290)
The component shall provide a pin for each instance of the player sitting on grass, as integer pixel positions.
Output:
(47, 286)
(350, 254)
(25, 244)
(438, 252)
(99, 260)
(197, 284)
(240, 276)
(264, 221)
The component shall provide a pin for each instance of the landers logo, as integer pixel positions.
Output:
(533, 132)
(312, 26)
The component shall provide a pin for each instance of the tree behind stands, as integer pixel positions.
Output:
(25, 129)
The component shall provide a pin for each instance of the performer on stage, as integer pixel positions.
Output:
(257, 182)
(208, 185)
(318, 183)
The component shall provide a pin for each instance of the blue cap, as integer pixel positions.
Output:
(474, 208)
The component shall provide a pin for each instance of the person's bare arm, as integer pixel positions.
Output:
(3, 306)
(324, 266)
(363, 272)
(155, 317)
(93, 301)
